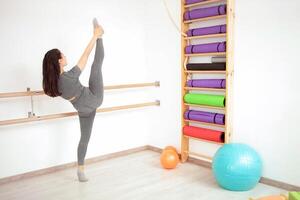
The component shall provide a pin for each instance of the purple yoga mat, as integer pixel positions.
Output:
(205, 116)
(207, 30)
(192, 1)
(206, 48)
(207, 83)
(205, 12)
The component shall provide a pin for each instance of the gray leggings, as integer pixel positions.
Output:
(89, 100)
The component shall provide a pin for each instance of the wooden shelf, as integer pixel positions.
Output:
(203, 140)
(202, 3)
(205, 123)
(204, 106)
(206, 89)
(205, 72)
(228, 72)
(206, 36)
(206, 54)
(204, 19)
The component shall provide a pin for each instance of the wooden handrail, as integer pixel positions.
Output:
(111, 87)
(206, 54)
(205, 89)
(202, 3)
(205, 123)
(205, 72)
(203, 140)
(204, 19)
(205, 36)
(204, 106)
(69, 114)
(202, 156)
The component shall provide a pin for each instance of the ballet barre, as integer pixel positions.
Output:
(111, 87)
(32, 117)
(69, 114)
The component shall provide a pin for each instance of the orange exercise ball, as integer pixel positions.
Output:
(170, 148)
(169, 159)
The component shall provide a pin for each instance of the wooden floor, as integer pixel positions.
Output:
(131, 177)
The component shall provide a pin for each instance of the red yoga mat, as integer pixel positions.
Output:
(203, 133)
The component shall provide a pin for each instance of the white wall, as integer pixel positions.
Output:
(28, 30)
(265, 80)
(265, 85)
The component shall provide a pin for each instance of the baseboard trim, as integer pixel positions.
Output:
(279, 184)
(48, 170)
(203, 163)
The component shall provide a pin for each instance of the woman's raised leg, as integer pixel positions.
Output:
(96, 79)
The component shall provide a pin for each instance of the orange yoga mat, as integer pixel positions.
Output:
(203, 133)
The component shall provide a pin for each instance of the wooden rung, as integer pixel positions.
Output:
(205, 89)
(206, 54)
(204, 72)
(204, 19)
(205, 36)
(202, 3)
(208, 158)
(203, 140)
(203, 106)
(205, 123)
(69, 114)
(110, 87)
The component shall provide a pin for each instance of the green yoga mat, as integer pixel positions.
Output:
(294, 196)
(205, 99)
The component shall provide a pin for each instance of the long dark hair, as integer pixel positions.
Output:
(51, 72)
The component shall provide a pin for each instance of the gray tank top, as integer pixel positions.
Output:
(69, 84)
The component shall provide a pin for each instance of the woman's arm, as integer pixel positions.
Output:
(83, 59)
(98, 31)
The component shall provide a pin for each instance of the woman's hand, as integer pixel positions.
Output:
(98, 31)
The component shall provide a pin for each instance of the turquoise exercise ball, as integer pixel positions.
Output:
(237, 167)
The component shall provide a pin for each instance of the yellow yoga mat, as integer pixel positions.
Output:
(205, 99)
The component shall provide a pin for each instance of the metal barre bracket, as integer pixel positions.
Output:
(158, 102)
(31, 114)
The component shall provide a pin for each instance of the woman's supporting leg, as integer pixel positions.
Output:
(96, 79)
(86, 125)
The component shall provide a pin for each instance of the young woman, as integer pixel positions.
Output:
(57, 82)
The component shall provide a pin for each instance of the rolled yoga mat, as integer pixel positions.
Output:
(193, 1)
(205, 99)
(202, 116)
(218, 59)
(205, 12)
(206, 48)
(207, 30)
(206, 66)
(207, 83)
(203, 133)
